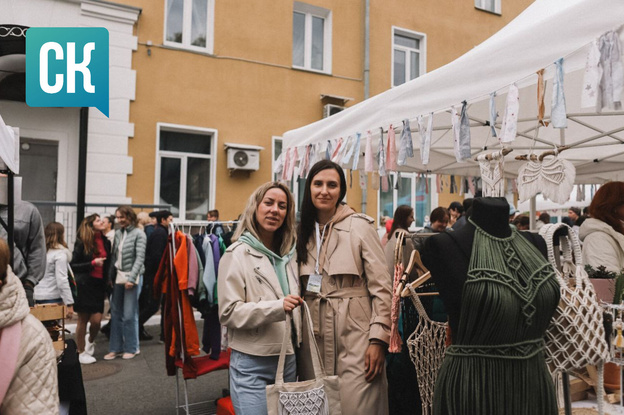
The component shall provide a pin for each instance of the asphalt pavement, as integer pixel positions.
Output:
(141, 385)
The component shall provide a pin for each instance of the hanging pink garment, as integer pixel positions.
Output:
(391, 156)
(369, 164)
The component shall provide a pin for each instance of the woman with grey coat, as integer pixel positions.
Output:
(127, 255)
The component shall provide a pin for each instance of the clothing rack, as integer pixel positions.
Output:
(201, 224)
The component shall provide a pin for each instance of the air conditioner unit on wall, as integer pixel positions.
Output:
(331, 109)
(243, 159)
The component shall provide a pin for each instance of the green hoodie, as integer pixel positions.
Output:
(279, 263)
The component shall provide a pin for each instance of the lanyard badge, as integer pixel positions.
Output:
(314, 282)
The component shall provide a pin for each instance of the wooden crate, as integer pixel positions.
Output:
(48, 312)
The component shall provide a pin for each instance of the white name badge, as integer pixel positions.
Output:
(314, 283)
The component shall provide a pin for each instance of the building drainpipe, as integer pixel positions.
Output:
(366, 78)
(82, 165)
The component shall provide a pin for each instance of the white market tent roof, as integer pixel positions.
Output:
(546, 31)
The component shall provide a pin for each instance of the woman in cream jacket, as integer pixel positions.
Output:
(257, 286)
(348, 289)
(603, 233)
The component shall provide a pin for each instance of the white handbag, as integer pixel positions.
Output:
(318, 396)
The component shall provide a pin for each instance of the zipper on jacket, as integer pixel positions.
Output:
(261, 275)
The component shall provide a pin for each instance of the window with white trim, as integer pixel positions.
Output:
(312, 36)
(412, 191)
(492, 6)
(185, 171)
(408, 55)
(190, 24)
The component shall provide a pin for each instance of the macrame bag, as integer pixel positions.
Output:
(318, 396)
(575, 337)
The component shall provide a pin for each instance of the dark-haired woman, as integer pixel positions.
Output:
(603, 233)
(348, 288)
(127, 257)
(90, 265)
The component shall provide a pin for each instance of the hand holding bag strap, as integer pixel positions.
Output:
(319, 371)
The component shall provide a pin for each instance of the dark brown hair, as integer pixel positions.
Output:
(54, 235)
(129, 214)
(607, 199)
(400, 218)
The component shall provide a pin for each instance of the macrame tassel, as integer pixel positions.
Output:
(493, 113)
(406, 147)
(391, 162)
(510, 119)
(558, 116)
(395, 338)
(369, 164)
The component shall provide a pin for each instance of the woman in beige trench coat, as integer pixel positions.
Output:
(348, 289)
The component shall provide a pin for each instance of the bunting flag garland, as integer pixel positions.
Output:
(375, 180)
(464, 134)
(305, 162)
(541, 91)
(329, 150)
(453, 186)
(356, 152)
(293, 162)
(391, 161)
(286, 164)
(279, 165)
(611, 83)
(438, 183)
(591, 78)
(385, 186)
(363, 179)
(425, 131)
(406, 147)
(558, 111)
(317, 155)
(348, 151)
(455, 125)
(368, 155)
(336, 154)
(382, 155)
(493, 113)
(472, 186)
(510, 120)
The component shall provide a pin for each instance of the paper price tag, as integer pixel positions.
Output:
(314, 283)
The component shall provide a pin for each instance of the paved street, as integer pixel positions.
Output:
(141, 385)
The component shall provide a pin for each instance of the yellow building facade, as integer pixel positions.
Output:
(211, 72)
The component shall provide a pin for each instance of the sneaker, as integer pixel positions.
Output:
(85, 358)
(144, 335)
(111, 356)
(128, 356)
(89, 347)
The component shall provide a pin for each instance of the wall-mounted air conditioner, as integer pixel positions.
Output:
(243, 157)
(331, 109)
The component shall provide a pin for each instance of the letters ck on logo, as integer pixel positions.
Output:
(67, 67)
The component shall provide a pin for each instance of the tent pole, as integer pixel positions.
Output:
(532, 209)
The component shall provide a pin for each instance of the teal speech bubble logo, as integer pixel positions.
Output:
(67, 67)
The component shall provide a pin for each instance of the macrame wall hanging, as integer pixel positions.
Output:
(492, 168)
(547, 174)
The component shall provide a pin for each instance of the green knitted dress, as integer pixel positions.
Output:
(496, 364)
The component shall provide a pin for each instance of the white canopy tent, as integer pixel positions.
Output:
(546, 31)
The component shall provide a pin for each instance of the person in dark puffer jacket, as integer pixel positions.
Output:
(127, 256)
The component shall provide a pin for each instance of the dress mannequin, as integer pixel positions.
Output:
(447, 254)
(500, 293)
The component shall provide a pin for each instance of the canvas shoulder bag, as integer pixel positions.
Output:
(318, 396)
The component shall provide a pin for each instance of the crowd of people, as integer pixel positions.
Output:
(332, 260)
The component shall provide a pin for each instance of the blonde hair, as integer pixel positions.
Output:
(286, 234)
(143, 219)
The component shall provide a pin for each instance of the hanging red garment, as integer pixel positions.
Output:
(181, 338)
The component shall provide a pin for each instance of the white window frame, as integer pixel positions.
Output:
(186, 28)
(422, 62)
(326, 15)
(481, 5)
(213, 133)
(433, 196)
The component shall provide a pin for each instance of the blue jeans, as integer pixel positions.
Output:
(249, 377)
(124, 333)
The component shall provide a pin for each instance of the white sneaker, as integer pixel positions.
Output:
(86, 359)
(89, 347)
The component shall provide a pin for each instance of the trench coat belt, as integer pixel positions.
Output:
(329, 329)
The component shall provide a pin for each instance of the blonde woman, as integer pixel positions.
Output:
(54, 287)
(257, 286)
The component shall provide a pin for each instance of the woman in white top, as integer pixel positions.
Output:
(54, 287)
